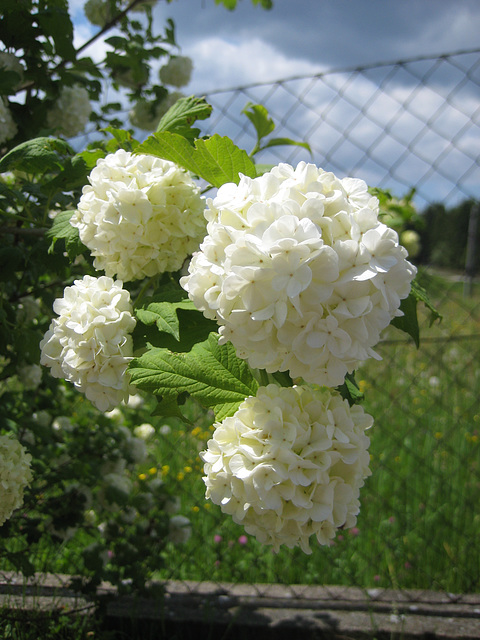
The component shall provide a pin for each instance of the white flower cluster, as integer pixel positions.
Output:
(89, 343)
(146, 115)
(15, 475)
(71, 111)
(299, 272)
(289, 464)
(139, 216)
(8, 128)
(177, 71)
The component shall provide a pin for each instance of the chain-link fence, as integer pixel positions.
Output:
(408, 124)
(401, 125)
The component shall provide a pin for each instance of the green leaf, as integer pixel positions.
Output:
(61, 228)
(409, 321)
(8, 81)
(350, 390)
(217, 160)
(39, 155)
(279, 142)
(258, 116)
(183, 114)
(55, 21)
(422, 296)
(211, 373)
(90, 157)
(161, 310)
(121, 140)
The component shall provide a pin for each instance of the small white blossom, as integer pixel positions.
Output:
(89, 343)
(139, 216)
(71, 111)
(410, 239)
(144, 431)
(177, 71)
(135, 401)
(289, 464)
(15, 475)
(8, 128)
(299, 273)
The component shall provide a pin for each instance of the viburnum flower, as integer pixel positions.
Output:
(8, 128)
(71, 111)
(177, 71)
(89, 343)
(139, 216)
(146, 115)
(289, 464)
(299, 273)
(15, 475)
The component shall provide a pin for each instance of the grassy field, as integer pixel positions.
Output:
(418, 526)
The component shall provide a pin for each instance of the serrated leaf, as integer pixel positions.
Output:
(61, 228)
(39, 155)
(279, 142)
(183, 114)
(409, 321)
(122, 139)
(420, 294)
(217, 160)
(211, 373)
(54, 20)
(161, 310)
(258, 116)
(91, 156)
(350, 390)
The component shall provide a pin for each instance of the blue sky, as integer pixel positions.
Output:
(304, 36)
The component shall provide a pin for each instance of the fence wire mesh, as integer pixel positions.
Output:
(408, 124)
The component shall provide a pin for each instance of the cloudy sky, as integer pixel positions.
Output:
(307, 37)
(304, 36)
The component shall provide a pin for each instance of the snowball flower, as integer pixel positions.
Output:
(146, 115)
(8, 128)
(299, 273)
(144, 431)
(15, 475)
(289, 464)
(177, 71)
(89, 343)
(71, 111)
(410, 239)
(139, 216)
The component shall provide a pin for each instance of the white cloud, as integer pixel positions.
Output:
(222, 64)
